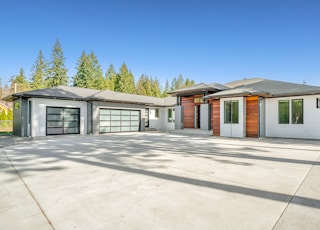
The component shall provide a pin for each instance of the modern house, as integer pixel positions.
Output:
(266, 108)
(246, 108)
(72, 110)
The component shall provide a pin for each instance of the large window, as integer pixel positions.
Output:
(284, 112)
(297, 111)
(171, 115)
(231, 112)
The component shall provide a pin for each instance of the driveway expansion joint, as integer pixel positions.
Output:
(28, 189)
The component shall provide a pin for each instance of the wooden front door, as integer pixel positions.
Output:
(252, 116)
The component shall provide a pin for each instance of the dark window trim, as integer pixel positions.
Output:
(279, 112)
(58, 107)
(171, 119)
(300, 99)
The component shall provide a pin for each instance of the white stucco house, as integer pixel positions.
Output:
(246, 108)
(71, 110)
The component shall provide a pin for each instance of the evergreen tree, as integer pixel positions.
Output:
(98, 82)
(19, 82)
(39, 73)
(166, 89)
(156, 88)
(89, 73)
(179, 83)
(111, 79)
(1, 90)
(57, 72)
(81, 77)
(140, 88)
(148, 86)
(126, 80)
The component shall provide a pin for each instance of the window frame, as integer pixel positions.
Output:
(288, 112)
(293, 117)
(156, 113)
(229, 112)
(171, 115)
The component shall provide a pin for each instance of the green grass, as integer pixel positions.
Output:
(5, 133)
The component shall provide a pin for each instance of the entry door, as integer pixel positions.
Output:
(146, 115)
(197, 116)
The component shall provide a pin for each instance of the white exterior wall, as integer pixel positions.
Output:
(310, 128)
(161, 122)
(233, 130)
(38, 114)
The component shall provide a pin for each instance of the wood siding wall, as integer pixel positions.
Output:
(252, 117)
(188, 105)
(216, 117)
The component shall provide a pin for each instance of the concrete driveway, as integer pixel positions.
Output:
(159, 181)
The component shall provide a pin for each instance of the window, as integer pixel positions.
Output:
(171, 115)
(297, 111)
(284, 112)
(231, 112)
(156, 113)
(198, 100)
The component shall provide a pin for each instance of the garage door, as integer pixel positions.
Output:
(115, 120)
(63, 121)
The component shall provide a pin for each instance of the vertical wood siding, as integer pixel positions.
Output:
(188, 105)
(252, 117)
(216, 117)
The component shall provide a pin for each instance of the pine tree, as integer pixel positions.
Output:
(156, 88)
(188, 83)
(89, 73)
(39, 72)
(19, 82)
(57, 72)
(179, 83)
(126, 80)
(111, 79)
(1, 90)
(140, 87)
(98, 82)
(81, 77)
(166, 89)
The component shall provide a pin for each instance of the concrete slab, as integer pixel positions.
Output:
(303, 212)
(18, 210)
(168, 181)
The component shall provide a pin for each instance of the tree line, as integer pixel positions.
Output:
(89, 74)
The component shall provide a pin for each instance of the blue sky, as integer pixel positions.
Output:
(207, 41)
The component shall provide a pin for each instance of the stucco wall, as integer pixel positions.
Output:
(38, 122)
(160, 123)
(311, 123)
(233, 130)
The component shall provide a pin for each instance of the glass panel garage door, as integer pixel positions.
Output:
(63, 121)
(114, 120)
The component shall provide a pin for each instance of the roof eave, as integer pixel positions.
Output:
(244, 94)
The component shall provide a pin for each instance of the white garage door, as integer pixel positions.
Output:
(116, 120)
